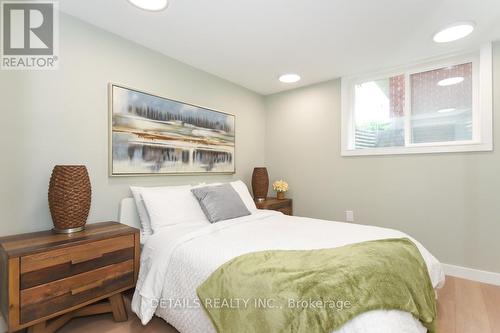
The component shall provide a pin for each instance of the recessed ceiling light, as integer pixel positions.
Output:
(454, 32)
(289, 78)
(151, 5)
(446, 110)
(450, 81)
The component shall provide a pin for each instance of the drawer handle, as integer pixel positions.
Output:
(86, 287)
(93, 256)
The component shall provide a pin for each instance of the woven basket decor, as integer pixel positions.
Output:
(69, 197)
(260, 183)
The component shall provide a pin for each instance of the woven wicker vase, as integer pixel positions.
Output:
(260, 183)
(69, 198)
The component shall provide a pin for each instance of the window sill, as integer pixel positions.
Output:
(471, 147)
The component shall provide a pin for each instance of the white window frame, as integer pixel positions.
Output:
(482, 107)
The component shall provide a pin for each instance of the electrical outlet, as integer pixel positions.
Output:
(349, 216)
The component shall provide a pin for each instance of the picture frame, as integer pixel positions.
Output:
(153, 135)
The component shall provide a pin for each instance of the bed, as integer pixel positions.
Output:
(177, 259)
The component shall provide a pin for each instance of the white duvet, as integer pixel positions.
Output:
(176, 260)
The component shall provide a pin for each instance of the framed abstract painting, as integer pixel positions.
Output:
(153, 135)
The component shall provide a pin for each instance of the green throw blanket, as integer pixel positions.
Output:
(319, 290)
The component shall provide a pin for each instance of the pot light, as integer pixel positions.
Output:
(447, 110)
(454, 32)
(151, 5)
(451, 81)
(289, 78)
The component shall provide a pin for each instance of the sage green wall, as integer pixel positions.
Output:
(61, 117)
(450, 202)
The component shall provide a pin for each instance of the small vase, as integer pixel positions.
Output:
(280, 195)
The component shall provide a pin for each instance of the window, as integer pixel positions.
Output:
(379, 113)
(442, 106)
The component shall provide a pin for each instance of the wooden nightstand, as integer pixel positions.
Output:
(285, 205)
(46, 275)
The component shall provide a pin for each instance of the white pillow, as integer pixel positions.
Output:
(245, 196)
(141, 210)
(171, 205)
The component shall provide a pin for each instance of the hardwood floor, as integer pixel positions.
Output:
(463, 307)
(468, 307)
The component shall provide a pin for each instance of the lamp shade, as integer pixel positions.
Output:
(260, 183)
(69, 197)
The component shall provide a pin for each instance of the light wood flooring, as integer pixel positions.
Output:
(468, 307)
(463, 307)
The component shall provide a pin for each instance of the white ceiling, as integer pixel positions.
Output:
(252, 42)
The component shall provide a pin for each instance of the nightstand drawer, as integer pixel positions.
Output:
(50, 298)
(42, 268)
(278, 204)
(281, 205)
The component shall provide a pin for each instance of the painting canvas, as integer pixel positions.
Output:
(156, 135)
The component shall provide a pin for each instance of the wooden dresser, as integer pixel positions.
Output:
(46, 275)
(284, 205)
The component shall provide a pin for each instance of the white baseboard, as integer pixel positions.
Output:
(472, 274)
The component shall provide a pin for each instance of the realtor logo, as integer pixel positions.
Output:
(29, 35)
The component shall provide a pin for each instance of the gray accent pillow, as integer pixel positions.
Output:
(220, 202)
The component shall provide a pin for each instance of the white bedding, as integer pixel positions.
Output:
(175, 261)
